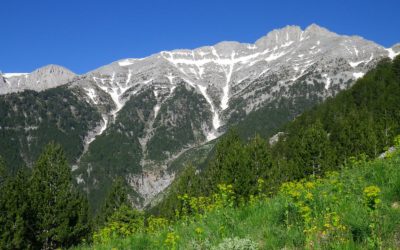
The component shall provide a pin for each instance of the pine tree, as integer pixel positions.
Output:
(315, 149)
(3, 172)
(61, 213)
(117, 196)
(259, 164)
(226, 164)
(396, 66)
(16, 218)
(239, 164)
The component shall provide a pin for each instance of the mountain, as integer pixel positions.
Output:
(44, 78)
(359, 123)
(145, 118)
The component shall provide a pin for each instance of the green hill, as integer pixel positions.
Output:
(355, 208)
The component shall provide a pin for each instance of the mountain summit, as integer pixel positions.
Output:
(47, 77)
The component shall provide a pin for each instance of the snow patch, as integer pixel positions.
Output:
(328, 81)
(355, 64)
(273, 57)
(91, 136)
(128, 62)
(357, 75)
(225, 89)
(356, 50)
(115, 90)
(9, 75)
(79, 179)
(287, 44)
(128, 78)
(92, 94)
(391, 53)
(156, 109)
(170, 78)
(172, 90)
(216, 120)
(98, 131)
(262, 73)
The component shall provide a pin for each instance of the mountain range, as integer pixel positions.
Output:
(144, 119)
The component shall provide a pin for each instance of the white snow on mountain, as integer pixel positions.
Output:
(9, 75)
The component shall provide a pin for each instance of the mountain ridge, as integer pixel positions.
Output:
(43, 78)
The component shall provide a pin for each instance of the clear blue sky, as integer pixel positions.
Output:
(85, 34)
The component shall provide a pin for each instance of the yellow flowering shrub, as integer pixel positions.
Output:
(371, 196)
(171, 242)
(155, 224)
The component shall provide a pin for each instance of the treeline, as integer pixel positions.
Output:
(40, 208)
(359, 122)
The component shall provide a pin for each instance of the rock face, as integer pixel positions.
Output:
(2, 81)
(44, 78)
(228, 70)
(157, 109)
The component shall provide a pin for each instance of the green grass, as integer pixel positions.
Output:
(341, 214)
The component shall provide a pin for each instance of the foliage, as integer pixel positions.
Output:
(61, 213)
(236, 164)
(122, 223)
(313, 213)
(42, 209)
(16, 218)
(171, 241)
(116, 198)
(3, 171)
(30, 120)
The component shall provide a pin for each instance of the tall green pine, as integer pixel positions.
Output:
(16, 217)
(116, 197)
(61, 213)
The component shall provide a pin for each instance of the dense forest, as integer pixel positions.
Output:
(293, 176)
(29, 120)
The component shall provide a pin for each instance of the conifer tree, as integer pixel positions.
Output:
(226, 163)
(314, 152)
(61, 213)
(3, 172)
(16, 218)
(396, 66)
(116, 197)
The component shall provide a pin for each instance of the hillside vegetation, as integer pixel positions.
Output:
(30, 120)
(357, 208)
